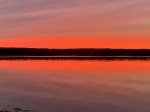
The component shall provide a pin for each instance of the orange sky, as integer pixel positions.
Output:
(77, 42)
(75, 23)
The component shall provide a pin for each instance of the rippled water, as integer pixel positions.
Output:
(76, 86)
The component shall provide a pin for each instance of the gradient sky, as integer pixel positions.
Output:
(75, 23)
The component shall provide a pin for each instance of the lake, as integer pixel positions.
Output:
(76, 85)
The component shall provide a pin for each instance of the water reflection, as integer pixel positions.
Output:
(80, 58)
(76, 86)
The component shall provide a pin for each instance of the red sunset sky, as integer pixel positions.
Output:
(75, 23)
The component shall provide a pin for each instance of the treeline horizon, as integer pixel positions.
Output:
(11, 51)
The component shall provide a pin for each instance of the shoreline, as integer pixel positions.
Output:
(111, 58)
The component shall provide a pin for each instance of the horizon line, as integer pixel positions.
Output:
(74, 48)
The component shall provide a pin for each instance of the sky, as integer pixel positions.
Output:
(75, 23)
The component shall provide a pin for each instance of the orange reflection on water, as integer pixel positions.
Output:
(86, 85)
(73, 65)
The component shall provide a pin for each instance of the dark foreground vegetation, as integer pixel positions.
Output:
(73, 52)
(15, 109)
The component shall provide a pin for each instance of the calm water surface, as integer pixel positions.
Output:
(76, 86)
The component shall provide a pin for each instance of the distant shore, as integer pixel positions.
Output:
(73, 54)
(91, 52)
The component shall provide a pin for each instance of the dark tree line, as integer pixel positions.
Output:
(72, 52)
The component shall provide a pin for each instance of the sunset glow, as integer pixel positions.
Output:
(77, 42)
(75, 23)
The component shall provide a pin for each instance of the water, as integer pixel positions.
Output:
(76, 86)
